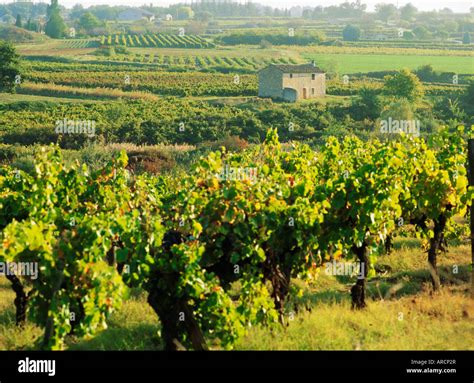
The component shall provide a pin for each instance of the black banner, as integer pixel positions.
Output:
(443, 366)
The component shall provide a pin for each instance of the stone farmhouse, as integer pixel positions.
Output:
(291, 82)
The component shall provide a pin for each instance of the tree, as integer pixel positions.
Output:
(422, 33)
(468, 98)
(408, 12)
(403, 84)
(55, 26)
(32, 25)
(185, 13)
(29, 25)
(385, 11)
(400, 110)
(446, 11)
(8, 19)
(203, 16)
(466, 39)
(88, 22)
(351, 33)
(52, 8)
(4, 10)
(307, 13)
(451, 26)
(9, 67)
(442, 34)
(19, 22)
(426, 73)
(77, 11)
(367, 104)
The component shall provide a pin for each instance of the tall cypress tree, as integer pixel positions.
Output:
(53, 7)
(19, 22)
(55, 26)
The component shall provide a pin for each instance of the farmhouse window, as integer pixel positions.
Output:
(313, 77)
(291, 75)
(312, 90)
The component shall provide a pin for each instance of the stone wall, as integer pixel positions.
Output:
(270, 83)
(302, 81)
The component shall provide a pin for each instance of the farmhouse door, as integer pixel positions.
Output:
(305, 93)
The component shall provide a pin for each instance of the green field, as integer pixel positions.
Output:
(359, 63)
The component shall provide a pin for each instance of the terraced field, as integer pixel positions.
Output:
(80, 43)
(197, 62)
(157, 40)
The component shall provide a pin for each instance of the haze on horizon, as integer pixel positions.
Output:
(422, 5)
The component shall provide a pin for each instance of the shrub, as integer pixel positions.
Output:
(404, 84)
(351, 33)
(466, 38)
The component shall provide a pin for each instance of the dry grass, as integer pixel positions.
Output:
(54, 90)
(411, 318)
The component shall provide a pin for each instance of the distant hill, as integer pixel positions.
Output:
(19, 35)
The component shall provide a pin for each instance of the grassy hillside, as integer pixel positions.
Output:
(20, 35)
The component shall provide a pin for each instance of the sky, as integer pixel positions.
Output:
(425, 5)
